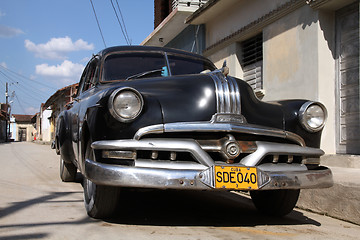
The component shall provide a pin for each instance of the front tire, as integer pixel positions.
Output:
(67, 171)
(100, 201)
(275, 202)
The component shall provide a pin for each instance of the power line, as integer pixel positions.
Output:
(16, 85)
(122, 30)
(117, 3)
(123, 22)
(21, 106)
(102, 36)
(26, 78)
(38, 92)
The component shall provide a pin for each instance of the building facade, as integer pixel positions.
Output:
(170, 29)
(3, 122)
(22, 128)
(287, 49)
(50, 110)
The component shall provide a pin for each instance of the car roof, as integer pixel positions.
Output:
(147, 48)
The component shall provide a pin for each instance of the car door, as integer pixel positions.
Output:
(86, 83)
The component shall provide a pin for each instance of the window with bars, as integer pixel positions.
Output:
(252, 61)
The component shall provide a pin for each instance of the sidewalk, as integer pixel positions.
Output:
(341, 201)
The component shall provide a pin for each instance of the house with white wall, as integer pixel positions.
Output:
(50, 110)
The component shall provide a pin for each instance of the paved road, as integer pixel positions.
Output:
(35, 204)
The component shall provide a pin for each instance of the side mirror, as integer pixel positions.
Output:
(225, 69)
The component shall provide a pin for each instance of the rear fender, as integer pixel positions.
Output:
(63, 138)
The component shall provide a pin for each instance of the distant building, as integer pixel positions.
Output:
(3, 121)
(285, 49)
(50, 110)
(22, 127)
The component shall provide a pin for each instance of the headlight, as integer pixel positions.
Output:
(125, 104)
(312, 116)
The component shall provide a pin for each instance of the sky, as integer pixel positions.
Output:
(45, 44)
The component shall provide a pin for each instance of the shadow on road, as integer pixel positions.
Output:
(18, 206)
(168, 208)
(193, 208)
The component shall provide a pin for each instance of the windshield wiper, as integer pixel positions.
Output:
(143, 74)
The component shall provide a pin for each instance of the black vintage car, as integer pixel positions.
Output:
(148, 117)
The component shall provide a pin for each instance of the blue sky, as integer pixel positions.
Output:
(45, 44)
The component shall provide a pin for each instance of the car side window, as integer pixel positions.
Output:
(89, 76)
(82, 80)
(90, 79)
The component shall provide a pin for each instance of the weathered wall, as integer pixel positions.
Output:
(299, 62)
(236, 16)
(45, 126)
(29, 129)
(231, 55)
(290, 49)
(298, 57)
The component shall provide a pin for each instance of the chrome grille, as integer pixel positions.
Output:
(227, 99)
(227, 94)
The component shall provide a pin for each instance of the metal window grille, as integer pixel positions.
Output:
(252, 61)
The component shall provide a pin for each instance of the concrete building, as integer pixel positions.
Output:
(50, 110)
(21, 127)
(285, 49)
(170, 29)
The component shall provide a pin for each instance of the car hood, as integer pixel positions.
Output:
(182, 98)
(196, 97)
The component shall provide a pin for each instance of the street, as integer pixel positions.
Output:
(35, 204)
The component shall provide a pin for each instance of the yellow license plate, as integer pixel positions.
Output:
(236, 178)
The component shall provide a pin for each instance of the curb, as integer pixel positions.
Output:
(341, 201)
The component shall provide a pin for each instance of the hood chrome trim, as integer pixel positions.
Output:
(228, 98)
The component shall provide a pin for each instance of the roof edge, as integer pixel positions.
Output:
(200, 11)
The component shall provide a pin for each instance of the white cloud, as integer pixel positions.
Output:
(66, 69)
(57, 48)
(8, 32)
(62, 74)
(31, 110)
(3, 64)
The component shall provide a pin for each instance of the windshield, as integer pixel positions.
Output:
(133, 65)
(187, 65)
(121, 66)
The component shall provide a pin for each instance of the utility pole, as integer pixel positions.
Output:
(7, 106)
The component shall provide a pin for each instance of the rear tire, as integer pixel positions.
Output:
(67, 171)
(100, 201)
(275, 202)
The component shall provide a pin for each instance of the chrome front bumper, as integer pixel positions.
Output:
(141, 177)
(200, 176)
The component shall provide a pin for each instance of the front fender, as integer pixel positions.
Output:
(292, 123)
(98, 124)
